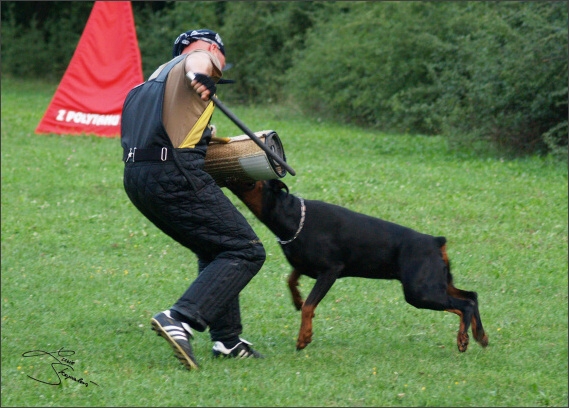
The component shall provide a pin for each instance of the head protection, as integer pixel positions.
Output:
(189, 37)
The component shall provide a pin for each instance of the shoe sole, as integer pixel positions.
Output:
(188, 362)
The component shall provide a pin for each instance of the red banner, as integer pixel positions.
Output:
(106, 65)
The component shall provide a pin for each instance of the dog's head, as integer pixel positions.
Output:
(239, 187)
(258, 196)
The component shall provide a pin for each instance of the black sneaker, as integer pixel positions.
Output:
(241, 350)
(176, 333)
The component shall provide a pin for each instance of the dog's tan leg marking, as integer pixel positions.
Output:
(480, 337)
(305, 333)
(462, 337)
(478, 332)
(293, 286)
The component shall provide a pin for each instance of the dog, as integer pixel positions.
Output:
(326, 242)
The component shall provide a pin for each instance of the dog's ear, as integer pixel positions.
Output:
(277, 185)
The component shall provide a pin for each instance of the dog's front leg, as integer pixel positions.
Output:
(293, 286)
(305, 333)
(323, 284)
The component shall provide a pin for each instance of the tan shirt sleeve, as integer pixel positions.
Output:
(184, 114)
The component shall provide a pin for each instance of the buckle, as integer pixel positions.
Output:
(131, 153)
(164, 154)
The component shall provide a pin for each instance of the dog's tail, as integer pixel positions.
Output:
(442, 243)
(451, 289)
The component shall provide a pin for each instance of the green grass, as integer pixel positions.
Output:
(82, 269)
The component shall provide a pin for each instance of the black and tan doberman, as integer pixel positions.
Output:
(326, 242)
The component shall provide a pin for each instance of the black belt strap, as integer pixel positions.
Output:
(155, 154)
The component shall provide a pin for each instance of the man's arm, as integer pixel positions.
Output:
(200, 63)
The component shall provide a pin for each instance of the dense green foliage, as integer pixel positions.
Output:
(39, 38)
(472, 71)
(494, 70)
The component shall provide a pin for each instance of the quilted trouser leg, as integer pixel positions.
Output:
(205, 221)
(228, 326)
(218, 286)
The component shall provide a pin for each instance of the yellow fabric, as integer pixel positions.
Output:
(195, 134)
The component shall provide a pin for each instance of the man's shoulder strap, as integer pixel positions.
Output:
(164, 73)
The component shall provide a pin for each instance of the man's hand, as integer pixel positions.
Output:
(203, 85)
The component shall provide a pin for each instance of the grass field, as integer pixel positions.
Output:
(82, 270)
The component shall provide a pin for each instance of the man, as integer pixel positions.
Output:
(165, 131)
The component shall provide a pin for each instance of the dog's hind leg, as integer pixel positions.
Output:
(464, 308)
(324, 282)
(293, 286)
(429, 286)
(476, 322)
(462, 339)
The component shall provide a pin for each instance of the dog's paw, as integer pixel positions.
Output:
(303, 340)
(462, 342)
(484, 340)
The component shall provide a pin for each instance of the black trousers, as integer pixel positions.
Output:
(182, 200)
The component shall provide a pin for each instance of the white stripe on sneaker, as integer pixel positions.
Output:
(174, 329)
(178, 337)
(187, 328)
